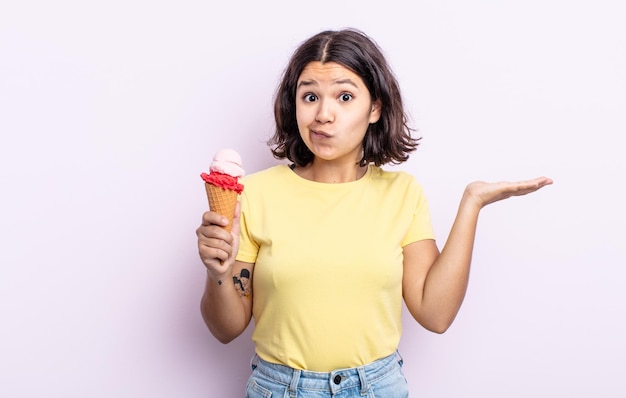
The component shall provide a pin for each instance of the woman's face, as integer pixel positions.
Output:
(333, 110)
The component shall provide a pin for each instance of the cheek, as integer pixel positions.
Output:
(360, 123)
(300, 121)
(303, 118)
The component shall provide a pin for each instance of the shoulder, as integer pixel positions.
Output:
(267, 175)
(270, 181)
(395, 179)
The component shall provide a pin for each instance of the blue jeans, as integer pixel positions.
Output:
(381, 378)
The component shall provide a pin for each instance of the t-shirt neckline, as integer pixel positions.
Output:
(328, 185)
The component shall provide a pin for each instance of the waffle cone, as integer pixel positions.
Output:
(222, 201)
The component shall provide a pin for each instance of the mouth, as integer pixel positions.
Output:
(320, 134)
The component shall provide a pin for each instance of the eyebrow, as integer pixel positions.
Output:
(305, 83)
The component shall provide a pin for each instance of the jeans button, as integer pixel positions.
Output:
(337, 379)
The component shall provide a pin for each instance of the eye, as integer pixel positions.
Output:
(309, 97)
(345, 97)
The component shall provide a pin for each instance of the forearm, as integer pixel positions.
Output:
(446, 283)
(434, 284)
(223, 308)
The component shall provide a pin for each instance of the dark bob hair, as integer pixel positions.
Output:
(388, 140)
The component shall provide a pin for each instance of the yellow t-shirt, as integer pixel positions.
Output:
(327, 280)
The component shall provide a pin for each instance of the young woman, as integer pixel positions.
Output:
(330, 245)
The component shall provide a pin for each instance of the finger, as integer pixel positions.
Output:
(212, 218)
(525, 187)
(205, 232)
(215, 243)
(543, 181)
(215, 266)
(213, 254)
(540, 181)
(535, 184)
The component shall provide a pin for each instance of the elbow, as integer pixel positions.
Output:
(222, 333)
(224, 336)
(224, 339)
(224, 328)
(439, 322)
(439, 328)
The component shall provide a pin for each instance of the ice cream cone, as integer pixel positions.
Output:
(222, 201)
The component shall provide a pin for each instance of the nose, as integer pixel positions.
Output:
(324, 112)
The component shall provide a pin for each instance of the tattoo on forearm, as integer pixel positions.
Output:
(242, 282)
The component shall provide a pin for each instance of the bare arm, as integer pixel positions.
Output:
(434, 284)
(226, 305)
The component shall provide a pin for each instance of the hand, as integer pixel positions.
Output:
(216, 246)
(484, 193)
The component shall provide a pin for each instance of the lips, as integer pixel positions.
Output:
(320, 134)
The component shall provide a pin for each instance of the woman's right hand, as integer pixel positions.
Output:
(216, 246)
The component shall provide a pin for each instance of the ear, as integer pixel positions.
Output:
(375, 111)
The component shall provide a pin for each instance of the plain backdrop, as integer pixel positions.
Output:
(109, 111)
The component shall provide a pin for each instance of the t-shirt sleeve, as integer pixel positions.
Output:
(248, 247)
(421, 226)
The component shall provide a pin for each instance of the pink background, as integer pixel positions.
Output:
(109, 111)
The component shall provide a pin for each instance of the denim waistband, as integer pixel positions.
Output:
(333, 381)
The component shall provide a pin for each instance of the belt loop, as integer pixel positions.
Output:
(254, 361)
(399, 358)
(293, 386)
(365, 386)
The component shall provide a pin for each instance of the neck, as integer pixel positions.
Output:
(330, 173)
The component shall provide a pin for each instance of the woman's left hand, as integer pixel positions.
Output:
(484, 193)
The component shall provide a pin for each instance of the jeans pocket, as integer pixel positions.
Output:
(393, 385)
(254, 390)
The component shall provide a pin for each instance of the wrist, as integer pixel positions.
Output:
(219, 279)
(470, 200)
